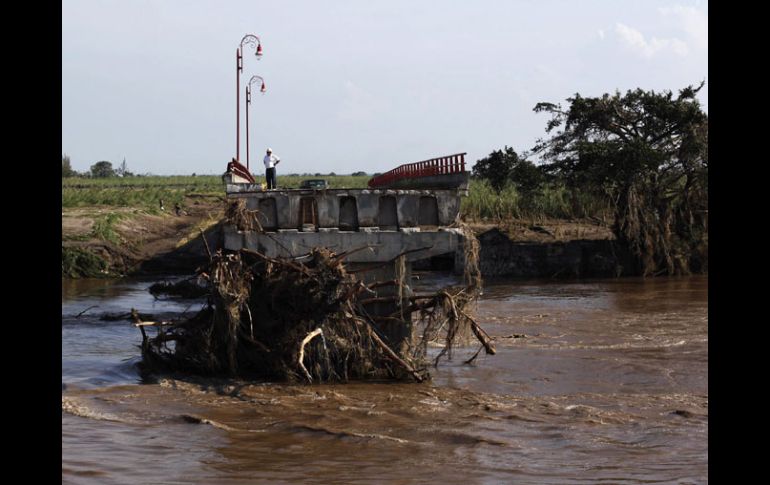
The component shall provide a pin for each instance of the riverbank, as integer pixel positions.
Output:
(551, 249)
(105, 241)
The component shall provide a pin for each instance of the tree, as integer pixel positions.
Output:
(648, 152)
(527, 177)
(496, 168)
(66, 167)
(502, 167)
(358, 174)
(102, 169)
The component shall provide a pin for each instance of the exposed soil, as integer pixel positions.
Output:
(143, 242)
(549, 231)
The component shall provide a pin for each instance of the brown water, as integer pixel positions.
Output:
(608, 385)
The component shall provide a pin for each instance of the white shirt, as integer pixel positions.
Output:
(270, 161)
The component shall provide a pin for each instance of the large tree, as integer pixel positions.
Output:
(647, 152)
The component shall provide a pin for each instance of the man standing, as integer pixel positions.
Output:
(270, 162)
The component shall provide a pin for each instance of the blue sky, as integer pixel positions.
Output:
(352, 85)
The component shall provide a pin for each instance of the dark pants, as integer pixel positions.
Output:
(270, 176)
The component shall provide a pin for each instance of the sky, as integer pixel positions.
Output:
(352, 85)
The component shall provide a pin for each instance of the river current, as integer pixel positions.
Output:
(596, 381)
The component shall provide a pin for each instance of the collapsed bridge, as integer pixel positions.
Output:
(316, 284)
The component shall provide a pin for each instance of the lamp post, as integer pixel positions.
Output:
(253, 41)
(248, 102)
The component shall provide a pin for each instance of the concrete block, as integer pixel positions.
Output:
(408, 206)
(368, 209)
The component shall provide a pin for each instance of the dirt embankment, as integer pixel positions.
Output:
(548, 231)
(110, 241)
(551, 249)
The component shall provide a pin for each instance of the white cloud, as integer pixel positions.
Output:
(635, 41)
(601, 34)
(693, 21)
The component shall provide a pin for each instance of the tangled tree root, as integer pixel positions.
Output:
(308, 319)
(244, 219)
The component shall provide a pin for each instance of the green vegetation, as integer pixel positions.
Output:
(137, 192)
(641, 158)
(146, 192)
(102, 169)
(505, 167)
(648, 153)
(549, 201)
(66, 167)
(104, 227)
(144, 181)
(81, 263)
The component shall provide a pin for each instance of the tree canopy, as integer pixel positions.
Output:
(102, 169)
(502, 167)
(648, 152)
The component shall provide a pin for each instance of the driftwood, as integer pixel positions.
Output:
(89, 308)
(151, 324)
(483, 336)
(301, 357)
(392, 355)
(263, 317)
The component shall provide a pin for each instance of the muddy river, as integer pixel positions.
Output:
(602, 381)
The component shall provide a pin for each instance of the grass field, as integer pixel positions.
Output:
(146, 192)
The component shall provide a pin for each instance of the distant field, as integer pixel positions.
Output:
(146, 192)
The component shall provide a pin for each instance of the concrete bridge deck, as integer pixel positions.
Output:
(390, 221)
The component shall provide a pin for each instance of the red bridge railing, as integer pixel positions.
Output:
(435, 166)
(238, 169)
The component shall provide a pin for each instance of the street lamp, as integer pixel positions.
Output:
(253, 41)
(248, 102)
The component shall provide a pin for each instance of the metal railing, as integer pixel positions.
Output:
(435, 166)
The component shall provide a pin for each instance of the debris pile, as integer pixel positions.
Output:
(309, 319)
